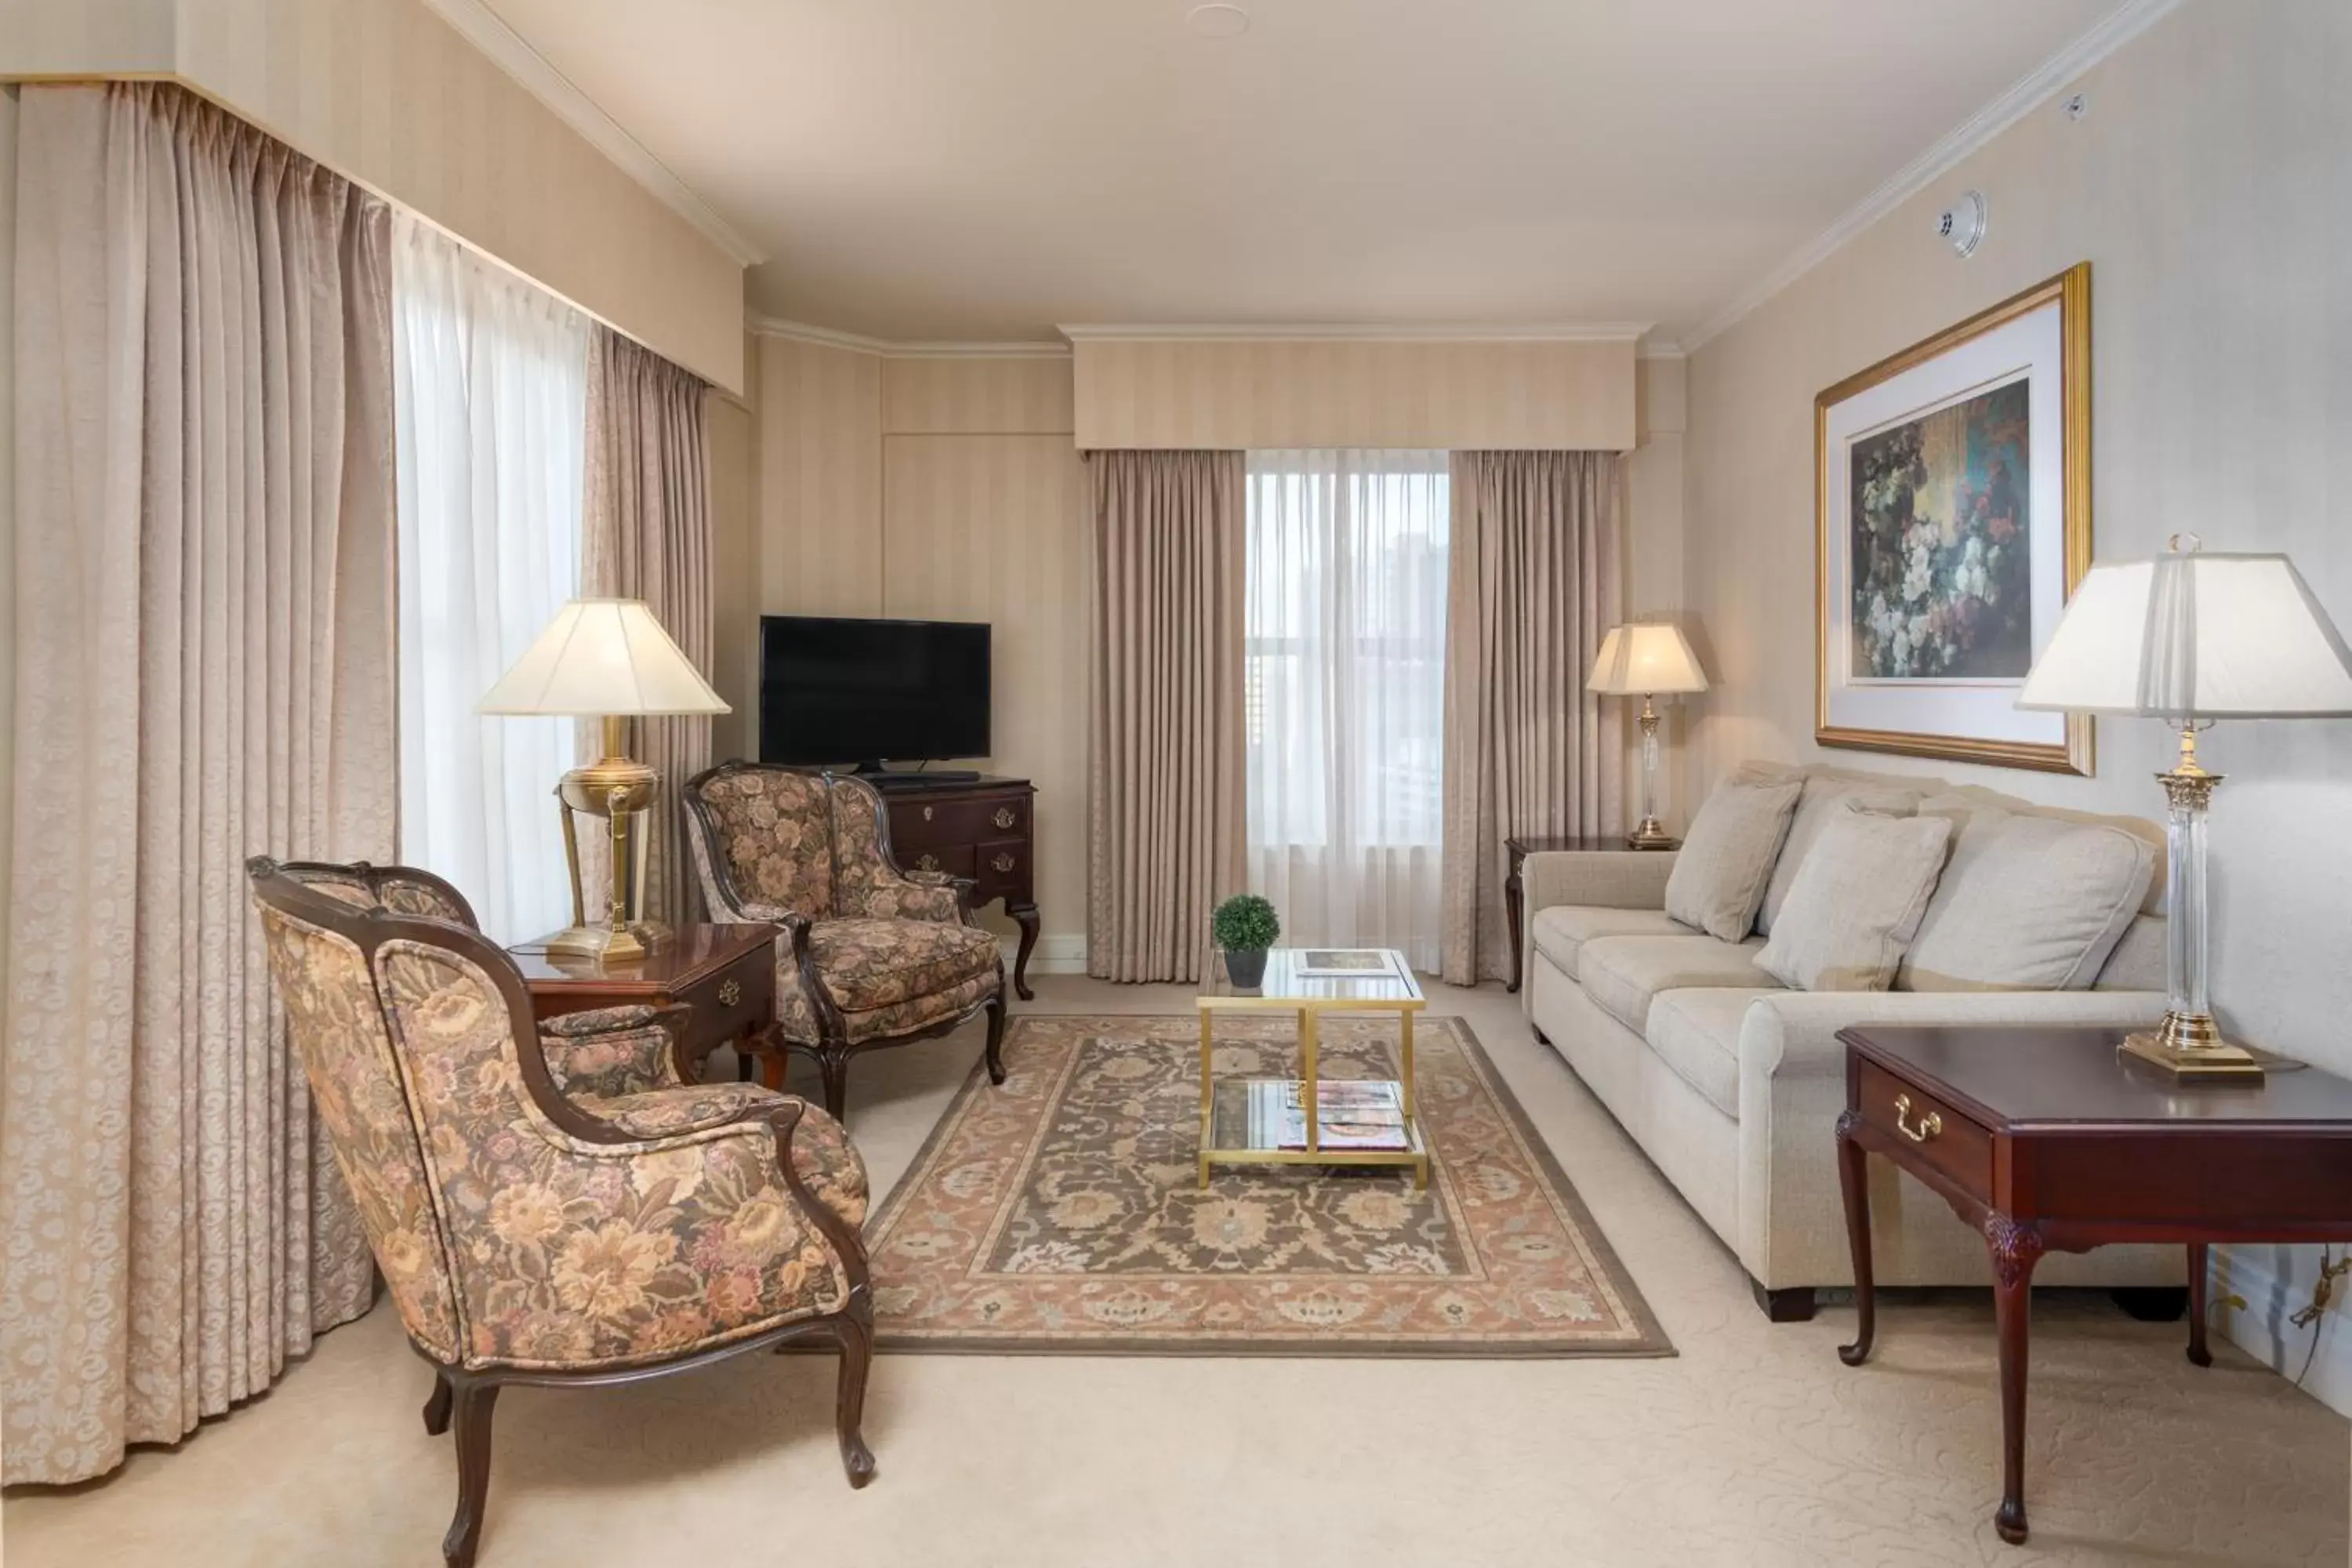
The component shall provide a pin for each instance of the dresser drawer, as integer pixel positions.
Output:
(928, 822)
(739, 998)
(1002, 867)
(955, 859)
(1938, 1134)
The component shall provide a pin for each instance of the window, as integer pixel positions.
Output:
(490, 406)
(1345, 697)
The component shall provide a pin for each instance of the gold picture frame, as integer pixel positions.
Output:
(1845, 714)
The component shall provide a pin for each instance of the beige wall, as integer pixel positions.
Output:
(388, 93)
(1654, 486)
(733, 454)
(1281, 394)
(945, 488)
(2210, 185)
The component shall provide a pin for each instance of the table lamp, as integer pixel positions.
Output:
(1647, 658)
(605, 659)
(2191, 637)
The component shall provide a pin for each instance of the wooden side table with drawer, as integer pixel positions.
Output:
(725, 973)
(2049, 1140)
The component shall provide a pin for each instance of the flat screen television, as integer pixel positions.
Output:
(836, 690)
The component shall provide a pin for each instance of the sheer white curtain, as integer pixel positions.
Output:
(490, 391)
(1346, 694)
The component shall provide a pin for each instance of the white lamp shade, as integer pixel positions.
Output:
(602, 657)
(1645, 658)
(2194, 635)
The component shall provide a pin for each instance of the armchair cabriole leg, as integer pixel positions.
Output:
(855, 1330)
(832, 1067)
(996, 1032)
(437, 1408)
(474, 1403)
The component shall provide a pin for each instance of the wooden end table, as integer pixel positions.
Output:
(2046, 1140)
(725, 973)
(1516, 849)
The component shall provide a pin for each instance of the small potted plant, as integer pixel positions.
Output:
(1245, 926)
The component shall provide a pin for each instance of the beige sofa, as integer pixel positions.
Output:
(1732, 1084)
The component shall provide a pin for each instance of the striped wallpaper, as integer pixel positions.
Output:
(1191, 393)
(946, 489)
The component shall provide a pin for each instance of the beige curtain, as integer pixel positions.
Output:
(1171, 537)
(203, 672)
(648, 537)
(1532, 588)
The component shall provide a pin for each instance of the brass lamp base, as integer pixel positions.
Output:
(607, 943)
(1652, 835)
(616, 788)
(2189, 1047)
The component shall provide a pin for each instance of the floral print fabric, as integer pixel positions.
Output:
(355, 1083)
(617, 1061)
(774, 831)
(866, 885)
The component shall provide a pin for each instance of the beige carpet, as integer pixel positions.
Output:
(1064, 1210)
(1753, 1446)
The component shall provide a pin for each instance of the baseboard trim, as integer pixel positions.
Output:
(1056, 952)
(2275, 1282)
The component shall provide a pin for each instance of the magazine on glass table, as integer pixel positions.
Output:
(1350, 1114)
(1343, 963)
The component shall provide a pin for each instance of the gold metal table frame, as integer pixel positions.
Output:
(1285, 990)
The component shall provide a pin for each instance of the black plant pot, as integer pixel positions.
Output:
(1245, 967)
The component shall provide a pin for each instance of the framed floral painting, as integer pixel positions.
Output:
(1955, 518)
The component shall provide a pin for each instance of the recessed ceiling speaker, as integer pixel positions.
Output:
(1963, 224)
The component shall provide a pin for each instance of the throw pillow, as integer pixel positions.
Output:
(2030, 903)
(1824, 800)
(1727, 857)
(1856, 902)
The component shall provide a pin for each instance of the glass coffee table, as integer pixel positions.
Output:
(1308, 1121)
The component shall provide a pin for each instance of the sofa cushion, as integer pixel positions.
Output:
(1726, 858)
(1857, 903)
(1825, 796)
(2027, 903)
(1561, 931)
(1696, 1031)
(1623, 973)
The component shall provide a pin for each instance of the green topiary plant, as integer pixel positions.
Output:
(1245, 924)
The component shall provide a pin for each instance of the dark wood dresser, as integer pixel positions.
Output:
(983, 830)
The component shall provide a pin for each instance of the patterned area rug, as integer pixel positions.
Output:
(1062, 1213)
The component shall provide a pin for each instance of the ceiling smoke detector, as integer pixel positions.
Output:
(1963, 224)
(1217, 21)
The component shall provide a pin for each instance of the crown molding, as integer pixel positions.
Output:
(898, 348)
(1366, 333)
(2037, 88)
(508, 49)
(1662, 348)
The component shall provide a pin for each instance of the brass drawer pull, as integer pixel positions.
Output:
(927, 813)
(1002, 862)
(1004, 819)
(731, 991)
(928, 863)
(1929, 1125)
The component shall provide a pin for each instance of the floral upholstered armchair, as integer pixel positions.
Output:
(878, 956)
(527, 1234)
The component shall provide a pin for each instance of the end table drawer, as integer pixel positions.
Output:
(738, 998)
(1938, 1135)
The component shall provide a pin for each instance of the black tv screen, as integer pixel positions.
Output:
(843, 690)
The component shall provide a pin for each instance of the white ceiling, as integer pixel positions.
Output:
(983, 169)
